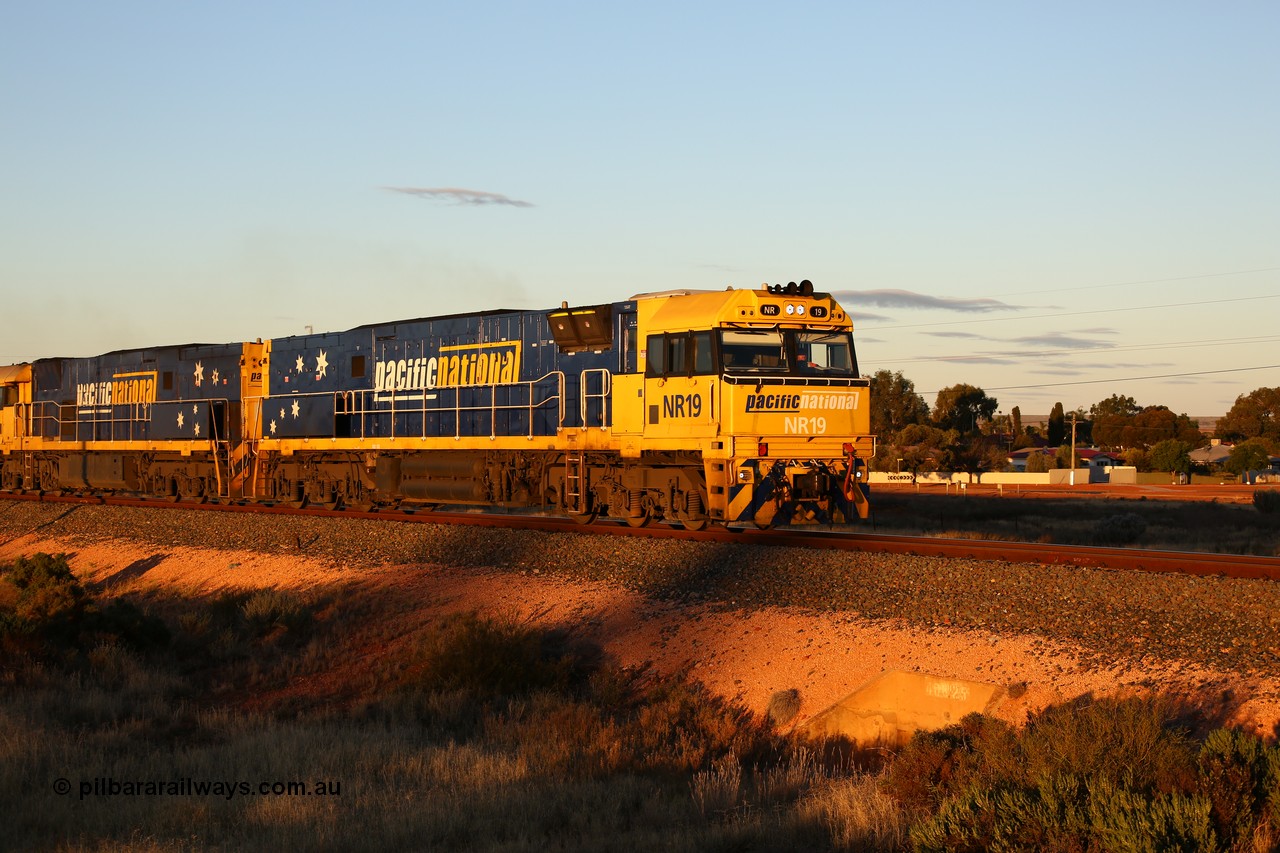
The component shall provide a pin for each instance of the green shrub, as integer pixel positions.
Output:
(45, 596)
(43, 604)
(489, 657)
(1267, 501)
(1122, 819)
(783, 706)
(271, 610)
(1234, 777)
(1138, 741)
(1120, 529)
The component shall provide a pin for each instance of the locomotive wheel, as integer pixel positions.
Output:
(639, 520)
(695, 524)
(583, 517)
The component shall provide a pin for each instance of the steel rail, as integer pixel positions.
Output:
(1084, 556)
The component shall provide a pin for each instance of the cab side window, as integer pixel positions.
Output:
(680, 354)
(656, 356)
(703, 361)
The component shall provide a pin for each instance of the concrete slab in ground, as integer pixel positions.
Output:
(894, 705)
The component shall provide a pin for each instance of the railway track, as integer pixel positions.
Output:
(1129, 559)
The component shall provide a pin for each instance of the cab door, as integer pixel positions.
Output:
(680, 386)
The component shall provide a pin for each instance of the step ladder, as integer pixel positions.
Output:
(575, 475)
(28, 470)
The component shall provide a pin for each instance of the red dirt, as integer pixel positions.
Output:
(742, 655)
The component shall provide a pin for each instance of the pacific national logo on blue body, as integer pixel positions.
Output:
(122, 389)
(495, 363)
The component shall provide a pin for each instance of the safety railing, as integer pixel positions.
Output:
(50, 420)
(585, 396)
(794, 379)
(390, 414)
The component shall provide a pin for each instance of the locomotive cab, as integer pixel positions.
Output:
(766, 384)
(15, 394)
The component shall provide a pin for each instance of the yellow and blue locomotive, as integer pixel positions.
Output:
(692, 407)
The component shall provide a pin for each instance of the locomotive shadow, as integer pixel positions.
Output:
(131, 572)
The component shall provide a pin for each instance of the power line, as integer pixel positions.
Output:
(1196, 304)
(1099, 350)
(1139, 281)
(1132, 378)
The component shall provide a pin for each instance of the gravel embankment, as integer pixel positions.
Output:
(1114, 616)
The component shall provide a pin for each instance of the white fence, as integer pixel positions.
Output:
(1063, 476)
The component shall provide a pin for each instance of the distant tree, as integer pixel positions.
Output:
(1038, 463)
(1084, 427)
(1015, 418)
(1254, 415)
(963, 408)
(1155, 424)
(1139, 458)
(1025, 439)
(1171, 455)
(1062, 459)
(1250, 455)
(922, 448)
(1057, 425)
(1115, 405)
(974, 454)
(895, 403)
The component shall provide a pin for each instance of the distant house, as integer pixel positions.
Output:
(1018, 458)
(1265, 475)
(1086, 457)
(1212, 456)
(1098, 458)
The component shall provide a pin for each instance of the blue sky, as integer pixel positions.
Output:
(1004, 194)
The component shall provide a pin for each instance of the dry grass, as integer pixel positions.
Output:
(1172, 525)
(480, 734)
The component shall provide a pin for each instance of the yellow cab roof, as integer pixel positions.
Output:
(15, 373)
(686, 310)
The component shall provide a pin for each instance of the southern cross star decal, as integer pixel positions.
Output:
(322, 364)
(282, 413)
(197, 430)
(296, 408)
(273, 427)
(199, 373)
(179, 420)
(215, 377)
(298, 365)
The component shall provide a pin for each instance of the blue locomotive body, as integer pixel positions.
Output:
(171, 393)
(481, 375)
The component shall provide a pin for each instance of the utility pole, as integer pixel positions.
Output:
(1073, 448)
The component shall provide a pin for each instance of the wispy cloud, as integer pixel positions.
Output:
(977, 359)
(866, 315)
(1060, 341)
(970, 335)
(910, 299)
(457, 195)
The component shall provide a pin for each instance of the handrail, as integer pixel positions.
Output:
(367, 406)
(121, 426)
(606, 385)
(793, 379)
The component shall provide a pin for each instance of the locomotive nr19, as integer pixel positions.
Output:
(692, 407)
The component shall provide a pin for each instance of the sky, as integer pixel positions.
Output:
(1053, 202)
